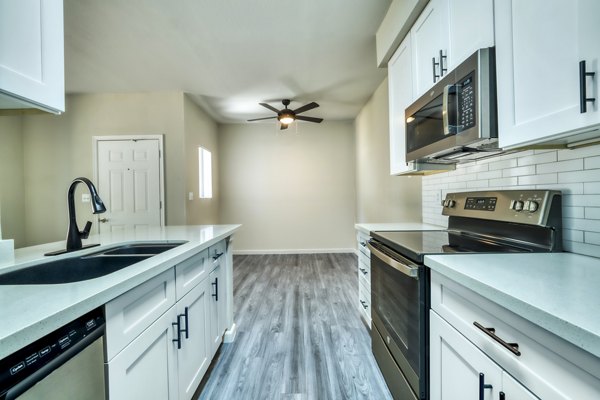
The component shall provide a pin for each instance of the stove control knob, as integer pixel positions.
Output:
(451, 203)
(532, 206)
(518, 205)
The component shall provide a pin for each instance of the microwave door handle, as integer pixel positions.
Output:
(445, 107)
(406, 269)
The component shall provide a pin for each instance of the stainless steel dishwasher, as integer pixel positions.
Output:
(65, 364)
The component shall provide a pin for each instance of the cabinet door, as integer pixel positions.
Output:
(539, 45)
(471, 24)
(31, 54)
(217, 313)
(513, 390)
(400, 82)
(193, 358)
(429, 37)
(456, 365)
(146, 368)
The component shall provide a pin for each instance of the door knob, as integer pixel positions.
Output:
(103, 220)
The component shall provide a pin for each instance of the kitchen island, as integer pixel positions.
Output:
(29, 312)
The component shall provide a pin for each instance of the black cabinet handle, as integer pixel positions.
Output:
(502, 396)
(178, 340)
(216, 286)
(187, 325)
(363, 244)
(491, 332)
(433, 65)
(443, 69)
(583, 99)
(364, 304)
(216, 256)
(483, 386)
(364, 271)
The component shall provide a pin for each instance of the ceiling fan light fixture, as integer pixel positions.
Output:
(286, 119)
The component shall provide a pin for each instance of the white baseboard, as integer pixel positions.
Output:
(293, 251)
(230, 334)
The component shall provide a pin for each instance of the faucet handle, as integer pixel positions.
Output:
(86, 231)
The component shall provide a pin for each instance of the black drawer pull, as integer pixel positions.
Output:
(364, 271)
(364, 304)
(491, 332)
(502, 396)
(215, 284)
(583, 99)
(483, 386)
(363, 244)
(433, 65)
(178, 340)
(442, 68)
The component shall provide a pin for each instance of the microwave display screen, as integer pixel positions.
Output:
(466, 104)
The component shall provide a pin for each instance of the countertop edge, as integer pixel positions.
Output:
(575, 335)
(161, 263)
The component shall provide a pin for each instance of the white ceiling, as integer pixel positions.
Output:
(228, 54)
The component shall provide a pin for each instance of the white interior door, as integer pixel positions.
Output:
(129, 183)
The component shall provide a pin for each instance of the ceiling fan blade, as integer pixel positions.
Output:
(283, 126)
(270, 107)
(258, 119)
(306, 107)
(309, 119)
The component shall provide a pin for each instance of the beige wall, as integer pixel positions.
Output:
(291, 191)
(12, 212)
(381, 197)
(59, 148)
(200, 130)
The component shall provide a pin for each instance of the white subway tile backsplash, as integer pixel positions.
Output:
(591, 213)
(592, 162)
(560, 166)
(591, 188)
(575, 172)
(545, 157)
(537, 179)
(518, 171)
(592, 238)
(588, 175)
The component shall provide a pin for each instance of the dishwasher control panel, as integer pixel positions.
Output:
(48, 353)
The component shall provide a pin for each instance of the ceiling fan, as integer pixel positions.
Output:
(287, 116)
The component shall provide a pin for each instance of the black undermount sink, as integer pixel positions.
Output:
(90, 266)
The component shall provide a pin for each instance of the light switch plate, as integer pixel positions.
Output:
(191, 196)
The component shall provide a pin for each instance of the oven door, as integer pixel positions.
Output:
(399, 301)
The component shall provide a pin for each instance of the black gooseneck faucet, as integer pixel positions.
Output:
(74, 235)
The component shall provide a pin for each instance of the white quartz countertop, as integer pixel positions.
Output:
(396, 226)
(28, 312)
(557, 291)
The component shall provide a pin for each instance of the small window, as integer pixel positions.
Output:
(205, 173)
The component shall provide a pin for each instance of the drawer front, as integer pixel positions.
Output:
(216, 254)
(364, 303)
(547, 365)
(131, 313)
(362, 239)
(191, 272)
(364, 273)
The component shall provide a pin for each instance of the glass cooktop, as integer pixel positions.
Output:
(416, 244)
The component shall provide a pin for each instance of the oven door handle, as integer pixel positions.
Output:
(406, 269)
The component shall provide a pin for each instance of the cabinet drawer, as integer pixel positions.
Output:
(191, 272)
(547, 365)
(364, 273)
(131, 313)
(362, 239)
(216, 254)
(364, 303)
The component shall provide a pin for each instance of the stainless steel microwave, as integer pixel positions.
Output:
(456, 120)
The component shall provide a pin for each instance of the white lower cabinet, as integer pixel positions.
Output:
(364, 277)
(160, 340)
(471, 335)
(194, 355)
(147, 367)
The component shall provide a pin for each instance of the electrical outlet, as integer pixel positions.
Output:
(191, 196)
(438, 197)
(86, 197)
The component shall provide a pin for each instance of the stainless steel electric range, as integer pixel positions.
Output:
(510, 221)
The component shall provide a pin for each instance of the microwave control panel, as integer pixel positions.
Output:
(466, 103)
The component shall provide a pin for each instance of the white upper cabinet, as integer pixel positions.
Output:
(430, 45)
(400, 83)
(32, 55)
(471, 24)
(540, 45)
(446, 33)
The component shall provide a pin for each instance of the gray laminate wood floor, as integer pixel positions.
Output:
(300, 335)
